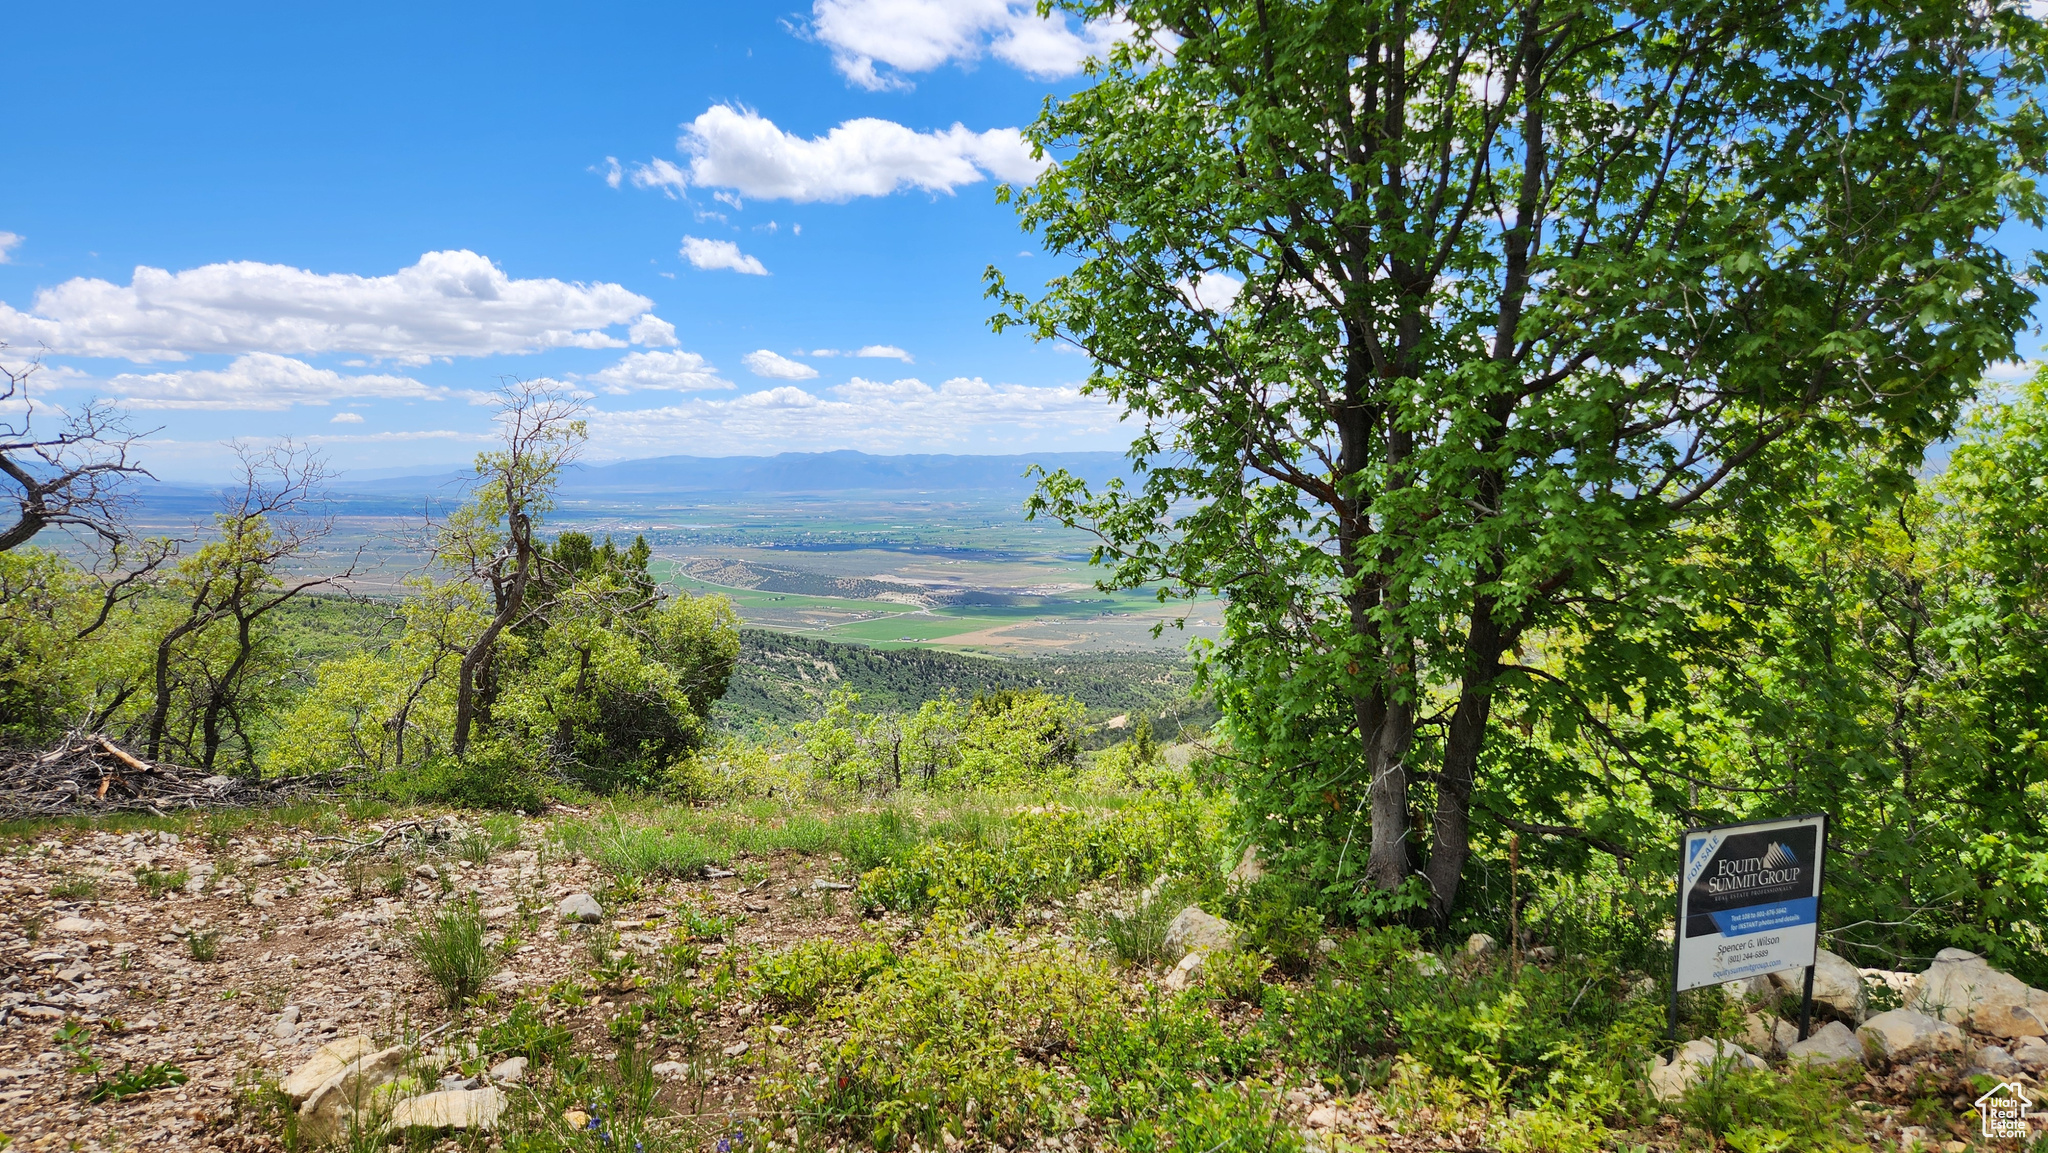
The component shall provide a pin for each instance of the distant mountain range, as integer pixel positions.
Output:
(842, 473)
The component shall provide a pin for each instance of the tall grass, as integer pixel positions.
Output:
(450, 950)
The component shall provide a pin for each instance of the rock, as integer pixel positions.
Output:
(1962, 987)
(1184, 974)
(1907, 1034)
(1769, 1035)
(1193, 930)
(581, 907)
(576, 1119)
(1249, 870)
(1830, 1044)
(1324, 1117)
(671, 1069)
(76, 925)
(453, 1083)
(1904, 986)
(831, 886)
(511, 1071)
(1752, 989)
(1480, 946)
(1540, 955)
(1428, 964)
(1993, 1061)
(327, 1111)
(736, 1049)
(476, 1110)
(1837, 987)
(1325, 946)
(1669, 1080)
(1913, 1137)
(2031, 1053)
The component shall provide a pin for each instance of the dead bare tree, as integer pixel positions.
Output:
(71, 476)
(269, 522)
(490, 539)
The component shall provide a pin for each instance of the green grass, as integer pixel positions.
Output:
(449, 950)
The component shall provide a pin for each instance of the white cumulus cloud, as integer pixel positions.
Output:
(259, 382)
(9, 241)
(652, 331)
(716, 254)
(920, 35)
(882, 352)
(875, 416)
(666, 371)
(346, 418)
(775, 366)
(738, 148)
(448, 304)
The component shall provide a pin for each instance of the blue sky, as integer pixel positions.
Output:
(353, 221)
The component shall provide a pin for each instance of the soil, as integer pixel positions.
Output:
(295, 930)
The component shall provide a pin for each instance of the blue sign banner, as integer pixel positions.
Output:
(1757, 918)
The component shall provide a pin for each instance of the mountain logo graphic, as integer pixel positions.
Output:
(1779, 856)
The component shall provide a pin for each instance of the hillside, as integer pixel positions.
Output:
(784, 678)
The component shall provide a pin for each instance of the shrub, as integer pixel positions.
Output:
(524, 1032)
(1237, 976)
(497, 774)
(803, 975)
(205, 946)
(450, 950)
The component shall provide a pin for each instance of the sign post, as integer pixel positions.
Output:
(1749, 904)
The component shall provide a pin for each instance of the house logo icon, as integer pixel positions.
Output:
(2004, 1110)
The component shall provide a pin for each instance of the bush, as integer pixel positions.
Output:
(495, 775)
(804, 975)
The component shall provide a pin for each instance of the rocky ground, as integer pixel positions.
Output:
(100, 949)
(187, 977)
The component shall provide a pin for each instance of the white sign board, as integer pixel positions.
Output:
(1749, 899)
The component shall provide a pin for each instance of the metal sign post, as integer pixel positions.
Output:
(1748, 904)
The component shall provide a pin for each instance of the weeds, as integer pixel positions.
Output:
(75, 889)
(156, 882)
(450, 950)
(203, 946)
(803, 975)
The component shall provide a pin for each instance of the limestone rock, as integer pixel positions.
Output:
(1670, 1079)
(1249, 870)
(580, 907)
(331, 1059)
(2031, 1053)
(1837, 986)
(511, 1071)
(1427, 963)
(1184, 974)
(1832, 1043)
(1756, 989)
(1193, 930)
(476, 1110)
(671, 1069)
(326, 1113)
(1768, 1035)
(1907, 1034)
(1993, 1061)
(1480, 946)
(1962, 987)
(76, 925)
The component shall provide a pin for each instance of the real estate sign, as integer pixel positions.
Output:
(1749, 899)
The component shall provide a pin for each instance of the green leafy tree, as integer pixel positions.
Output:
(1885, 659)
(1444, 324)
